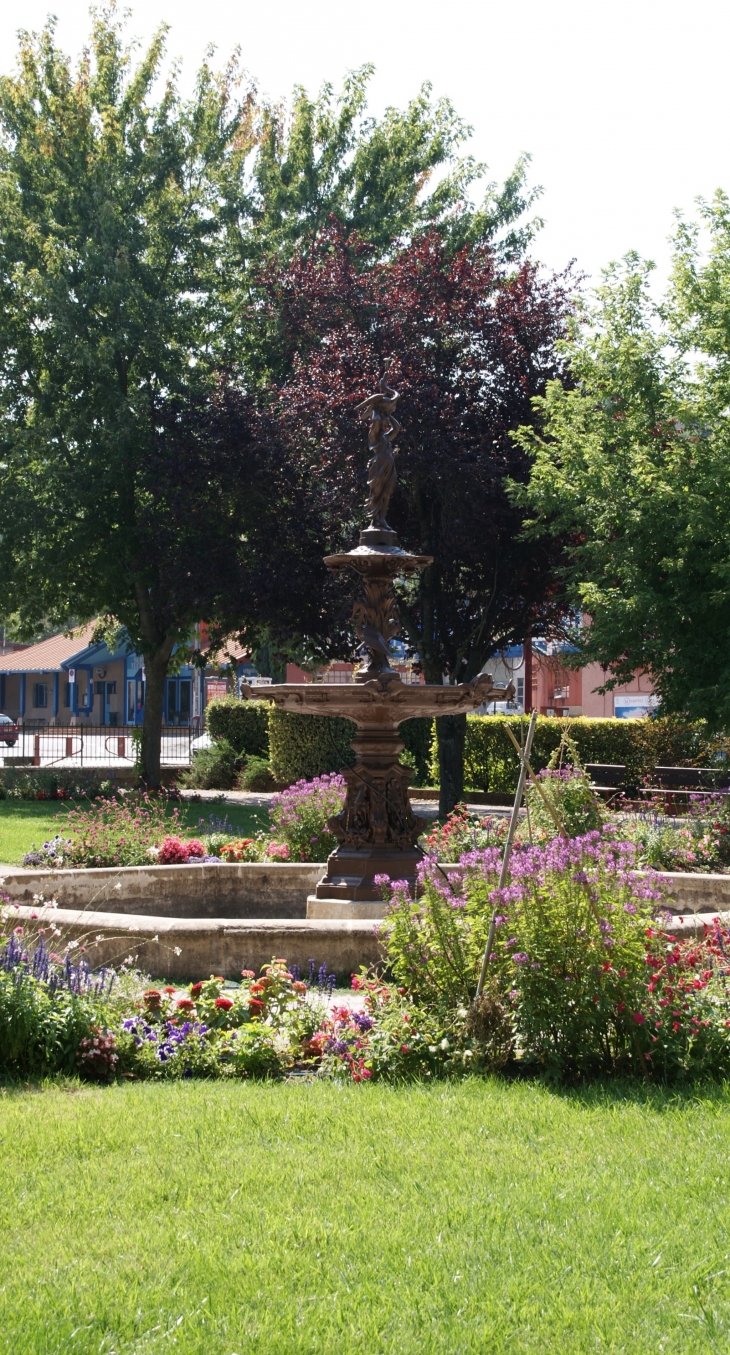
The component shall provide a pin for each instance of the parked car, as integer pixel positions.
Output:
(202, 741)
(8, 731)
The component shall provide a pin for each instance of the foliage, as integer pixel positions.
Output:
(462, 832)
(491, 764)
(562, 799)
(632, 463)
(243, 724)
(45, 783)
(119, 832)
(300, 815)
(684, 1031)
(135, 225)
(570, 953)
(416, 735)
(700, 841)
(257, 775)
(240, 849)
(214, 768)
(117, 270)
(48, 1006)
(308, 745)
(311, 745)
(473, 341)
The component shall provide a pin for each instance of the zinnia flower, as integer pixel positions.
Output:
(225, 1003)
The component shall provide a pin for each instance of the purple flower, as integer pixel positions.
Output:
(519, 957)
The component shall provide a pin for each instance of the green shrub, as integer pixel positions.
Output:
(244, 724)
(490, 761)
(257, 775)
(214, 768)
(41, 1031)
(416, 735)
(305, 746)
(47, 783)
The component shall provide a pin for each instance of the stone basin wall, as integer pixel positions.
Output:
(253, 890)
(239, 890)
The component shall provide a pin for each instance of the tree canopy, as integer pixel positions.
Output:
(134, 226)
(471, 342)
(632, 465)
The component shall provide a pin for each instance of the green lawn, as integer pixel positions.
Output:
(483, 1217)
(25, 823)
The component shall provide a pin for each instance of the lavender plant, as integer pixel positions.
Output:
(300, 816)
(569, 958)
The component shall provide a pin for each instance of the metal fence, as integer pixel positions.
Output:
(93, 746)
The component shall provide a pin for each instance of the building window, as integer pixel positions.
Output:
(67, 695)
(130, 702)
(40, 697)
(520, 691)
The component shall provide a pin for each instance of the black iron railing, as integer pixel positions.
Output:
(92, 745)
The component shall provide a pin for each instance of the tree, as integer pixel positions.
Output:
(130, 232)
(632, 465)
(471, 343)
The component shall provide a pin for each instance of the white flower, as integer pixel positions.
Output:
(177, 950)
(71, 945)
(153, 852)
(118, 886)
(100, 937)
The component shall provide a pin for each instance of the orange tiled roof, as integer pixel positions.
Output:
(47, 656)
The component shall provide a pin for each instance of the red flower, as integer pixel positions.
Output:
(185, 1004)
(255, 1007)
(225, 1003)
(639, 1018)
(169, 989)
(152, 997)
(196, 989)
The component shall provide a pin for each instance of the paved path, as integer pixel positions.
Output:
(428, 809)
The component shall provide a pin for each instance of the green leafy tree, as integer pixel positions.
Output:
(132, 234)
(632, 464)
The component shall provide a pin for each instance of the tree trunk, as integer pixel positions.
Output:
(156, 666)
(451, 737)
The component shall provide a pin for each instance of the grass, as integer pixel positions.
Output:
(474, 1218)
(28, 823)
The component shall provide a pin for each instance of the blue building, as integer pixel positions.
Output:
(68, 680)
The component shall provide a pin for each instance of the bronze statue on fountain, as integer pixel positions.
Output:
(377, 831)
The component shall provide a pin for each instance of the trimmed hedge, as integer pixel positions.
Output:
(309, 745)
(244, 724)
(490, 761)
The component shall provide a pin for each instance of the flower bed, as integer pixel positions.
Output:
(697, 842)
(137, 829)
(583, 981)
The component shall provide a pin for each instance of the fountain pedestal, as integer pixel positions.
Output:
(377, 831)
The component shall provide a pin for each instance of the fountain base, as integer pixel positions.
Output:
(345, 910)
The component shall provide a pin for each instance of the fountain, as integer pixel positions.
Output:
(377, 831)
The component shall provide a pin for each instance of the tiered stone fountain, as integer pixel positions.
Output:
(377, 831)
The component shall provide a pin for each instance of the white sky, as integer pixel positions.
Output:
(623, 103)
